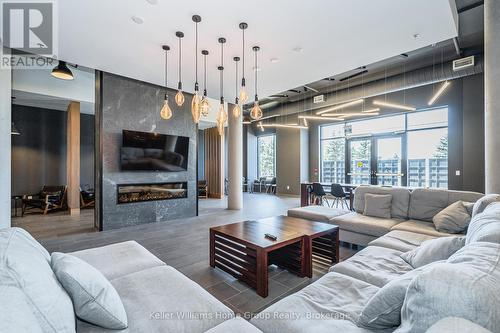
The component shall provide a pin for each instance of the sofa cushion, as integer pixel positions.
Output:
(433, 250)
(237, 324)
(465, 286)
(400, 240)
(383, 310)
(119, 259)
(331, 304)
(454, 219)
(485, 227)
(456, 325)
(25, 264)
(161, 299)
(420, 227)
(373, 226)
(378, 205)
(316, 213)
(94, 298)
(483, 202)
(400, 199)
(426, 203)
(16, 315)
(374, 265)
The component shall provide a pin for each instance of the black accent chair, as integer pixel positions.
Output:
(261, 182)
(339, 195)
(202, 189)
(270, 185)
(319, 195)
(87, 197)
(48, 199)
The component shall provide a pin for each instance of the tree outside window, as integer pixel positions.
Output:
(266, 155)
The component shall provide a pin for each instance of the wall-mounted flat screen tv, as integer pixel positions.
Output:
(153, 152)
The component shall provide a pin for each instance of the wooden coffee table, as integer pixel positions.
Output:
(242, 250)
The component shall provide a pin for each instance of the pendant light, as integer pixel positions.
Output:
(179, 97)
(195, 102)
(166, 112)
(61, 71)
(222, 114)
(256, 111)
(204, 104)
(236, 109)
(243, 91)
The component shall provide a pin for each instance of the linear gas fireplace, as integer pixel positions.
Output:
(128, 193)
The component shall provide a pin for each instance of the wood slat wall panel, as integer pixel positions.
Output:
(214, 163)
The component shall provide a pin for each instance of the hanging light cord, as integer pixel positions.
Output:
(205, 75)
(221, 73)
(180, 64)
(243, 60)
(237, 100)
(196, 57)
(166, 68)
(255, 69)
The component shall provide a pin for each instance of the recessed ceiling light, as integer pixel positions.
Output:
(416, 36)
(274, 60)
(152, 2)
(137, 19)
(298, 49)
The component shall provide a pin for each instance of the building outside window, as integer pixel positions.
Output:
(266, 155)
(381, 144)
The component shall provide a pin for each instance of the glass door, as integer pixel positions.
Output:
(389, 161)
(360, 153)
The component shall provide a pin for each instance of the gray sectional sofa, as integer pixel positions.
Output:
(411, 211)
(459, 294)
(455, 294)
(156, 297)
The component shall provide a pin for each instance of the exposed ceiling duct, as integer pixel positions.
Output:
(420, 77)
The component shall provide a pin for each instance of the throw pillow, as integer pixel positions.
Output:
(454, 219)
(383, 310)
(482, 203)
(94, 298)
(378, 205)
(433, 250)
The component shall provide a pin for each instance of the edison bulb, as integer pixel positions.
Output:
(236, 111)
(195, 108)
(204, 106)
(222, 114)
(166, 112)
(179, 98)
(243, 95)
(256, 111)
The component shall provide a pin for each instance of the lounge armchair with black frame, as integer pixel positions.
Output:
(48, 199)
(87, 197)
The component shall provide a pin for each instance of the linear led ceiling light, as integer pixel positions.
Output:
(321, 118)
(371, 110)
(439, 92)
(341, 106)
(266, 117)
(394, 106)
(350, 114)
(285, 126)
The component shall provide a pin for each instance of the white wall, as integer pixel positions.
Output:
(5, 115)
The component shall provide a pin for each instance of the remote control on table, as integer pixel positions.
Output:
(272, 237)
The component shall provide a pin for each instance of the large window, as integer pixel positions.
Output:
(401, 150)
(266, 155)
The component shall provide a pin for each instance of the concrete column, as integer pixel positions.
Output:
(235, 162)
(492, 94)
(5, 145)
(73, 158)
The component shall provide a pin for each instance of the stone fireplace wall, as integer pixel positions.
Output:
(135, 105)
